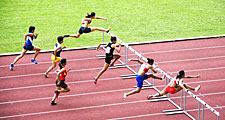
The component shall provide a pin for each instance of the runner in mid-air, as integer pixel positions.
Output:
(85, 26)
(111, 46)
(141, 76)
(176, 85)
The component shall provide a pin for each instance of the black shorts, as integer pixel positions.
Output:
(28, 47)
(84, 30)
(108, 58)
(62, 84)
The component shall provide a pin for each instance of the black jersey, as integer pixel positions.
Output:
(109, 49)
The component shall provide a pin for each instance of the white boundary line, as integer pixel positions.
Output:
(153, 114)
(91, 107)
(137, 43)
(91, 93)
(162, 62)
(123, 55)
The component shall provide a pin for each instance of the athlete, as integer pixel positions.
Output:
(85, 26)
(55, 55)
(176, 85)
(142, 75)
(29, 37)
(60, 81)
(111, 46)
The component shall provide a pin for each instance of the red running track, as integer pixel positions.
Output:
(26, 93)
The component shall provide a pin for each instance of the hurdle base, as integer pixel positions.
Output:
(128, 76)
(157, 100)
(100, 56)
(118, 66)
(171, 110)
(181, 112)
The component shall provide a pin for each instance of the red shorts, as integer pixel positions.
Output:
(171, 90)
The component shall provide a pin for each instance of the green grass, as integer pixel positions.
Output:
(130, 20)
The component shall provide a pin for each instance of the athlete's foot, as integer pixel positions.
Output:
(95, 82)
(124, 96)
(57, 93)
(11, 66)
(149, 97)
(46, 75)
(197, 88)
(108, 29)
(53, 103)
(34, 61)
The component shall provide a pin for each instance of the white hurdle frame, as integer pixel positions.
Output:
(182, 108)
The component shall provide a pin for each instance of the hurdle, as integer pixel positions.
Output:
(180, 109)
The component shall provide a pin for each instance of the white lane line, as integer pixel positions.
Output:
(204, 58)
(123, 55)
(49, 62)
(64, 96)
(46, 85)
(180, 50)
(163, 62)
(91, 107)
(154, 114)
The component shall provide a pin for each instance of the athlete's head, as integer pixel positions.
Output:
(60, 39)
(90, 15)
(181, 74)
(62, 63)
(113, 39)
(150, 61)
(31, 29)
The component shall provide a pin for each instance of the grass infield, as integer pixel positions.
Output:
(131, 20)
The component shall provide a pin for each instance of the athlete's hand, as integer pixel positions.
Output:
(69, 69)
(64, 47)
(36, 34)
(119, 44)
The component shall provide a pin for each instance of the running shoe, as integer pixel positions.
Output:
(163, 77)
(95, 82)
(197, 88)
(124, 96)
(11, 66)
(53, 103)
(149, 97)
(34, 61)
(46, 75)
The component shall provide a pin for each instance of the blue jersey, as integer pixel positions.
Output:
(29, 40)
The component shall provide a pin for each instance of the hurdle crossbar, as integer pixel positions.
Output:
(170, 78)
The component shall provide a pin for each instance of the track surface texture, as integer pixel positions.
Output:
(26, 94)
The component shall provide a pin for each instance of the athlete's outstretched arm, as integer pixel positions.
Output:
(189, 76)
(136, 60)
(100, 18)
(100, 45)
